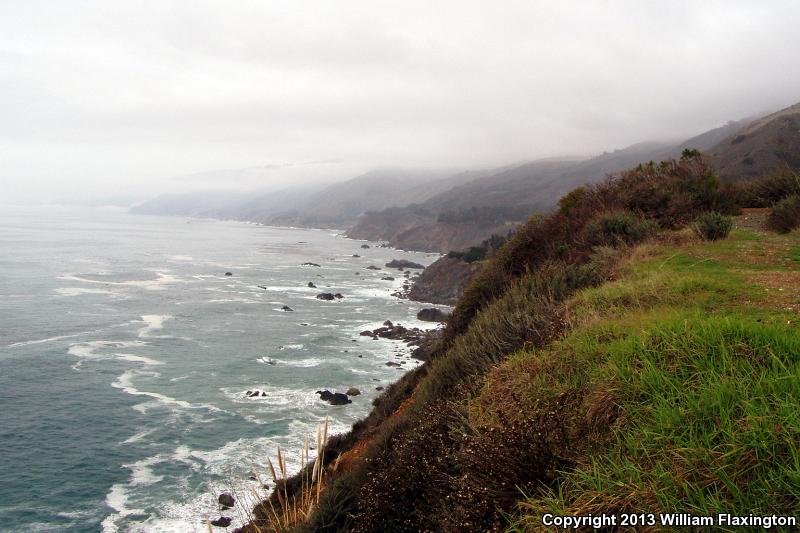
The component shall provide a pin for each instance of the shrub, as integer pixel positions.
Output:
(486, 249)
(785, 215)
(690, 153)
(712, 226)
(621, 227)
(768, 191)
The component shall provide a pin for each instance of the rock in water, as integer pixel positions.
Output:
(311, 285)
(403, 263)
(352, 391)
(226, 500)
(222, 521)
(325, 296)
(338, 295)
(373, 267)
(286, 308)
(334, 398)
(309, 264)
(365, 246)
(432, 315)
(387, 323)
(229, 273)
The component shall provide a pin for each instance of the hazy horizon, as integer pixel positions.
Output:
(115, 100)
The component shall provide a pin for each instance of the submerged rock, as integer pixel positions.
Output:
(309, 264)
(338, 295)
(387, 278)
(373, 267)
(365, 246)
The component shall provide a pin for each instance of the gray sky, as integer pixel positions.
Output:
(108, 97)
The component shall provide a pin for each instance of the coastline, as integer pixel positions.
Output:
(414, 343)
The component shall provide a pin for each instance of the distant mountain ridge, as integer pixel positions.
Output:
(439, 212)
(465, 215)
(336, 205)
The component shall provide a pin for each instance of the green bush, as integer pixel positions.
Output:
(785, 215)
(712, 226)
(624, 227)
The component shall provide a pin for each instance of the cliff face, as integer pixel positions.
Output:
(444, 281)
(424, 233)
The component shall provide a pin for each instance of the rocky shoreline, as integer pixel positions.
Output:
(419, 342)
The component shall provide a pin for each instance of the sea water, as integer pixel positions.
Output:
(126, 354)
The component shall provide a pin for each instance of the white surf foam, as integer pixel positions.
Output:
(153, 323)
(125, 383)
(163, 278)
(77, 291)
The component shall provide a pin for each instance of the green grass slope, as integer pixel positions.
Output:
(682, 379)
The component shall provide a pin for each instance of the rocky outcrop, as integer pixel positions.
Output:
(403, 263)
(443, 282)
(226, 501)
(222, 521)
(334, 398)
(432, 314)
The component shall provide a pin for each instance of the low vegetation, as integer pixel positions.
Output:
(712, 226)
(785, 215)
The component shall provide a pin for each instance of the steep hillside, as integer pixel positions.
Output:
(767, 145)
(606, 360)
(465, 215)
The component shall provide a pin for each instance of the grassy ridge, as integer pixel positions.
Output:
(684, 379)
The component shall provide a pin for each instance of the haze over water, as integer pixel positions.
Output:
(126, 353)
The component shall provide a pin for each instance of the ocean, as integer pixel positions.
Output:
(126, 355)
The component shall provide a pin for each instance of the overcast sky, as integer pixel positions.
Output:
(103, 98)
